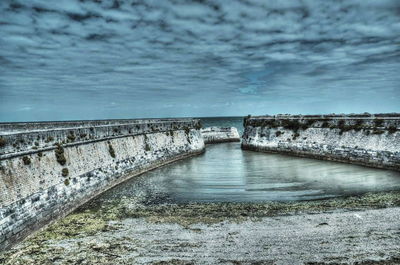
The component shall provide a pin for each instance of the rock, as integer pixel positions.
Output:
(214, 135)
(99, 246)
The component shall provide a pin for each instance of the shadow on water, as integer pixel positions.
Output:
(225, 173)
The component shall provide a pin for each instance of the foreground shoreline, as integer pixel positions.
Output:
(363, 229)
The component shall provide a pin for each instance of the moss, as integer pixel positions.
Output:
(303, 126)
(40, 154)
(147, 147)
(49, 139)
(392, 129)
(348, 127)
(378, 123)
(74, 225)
(59, 152)
(64, 172)
(71, 136)
(36, 143)
(111, 150)
(245, 120)
(295, 135)
(358, 126)
(83, 135)
(378, 132)
(187, 130)
(293, 125)
(198, 126)
(341, 124)
(270, 123)
(26, 160)
(278, 133)
(66, 182)
(325, 124)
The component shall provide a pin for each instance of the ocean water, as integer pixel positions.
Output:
(225, 173)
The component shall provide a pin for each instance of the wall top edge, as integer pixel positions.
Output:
(395, 116)
(34, 127)
(108, 121)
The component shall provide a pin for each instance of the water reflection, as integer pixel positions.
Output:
(226, 173)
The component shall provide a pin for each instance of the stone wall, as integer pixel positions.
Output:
(214, 135)
(49, 169)
(370, 140)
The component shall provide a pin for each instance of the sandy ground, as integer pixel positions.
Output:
(344, 237)
(362, 230)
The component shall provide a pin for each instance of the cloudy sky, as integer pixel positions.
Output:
(96, 59)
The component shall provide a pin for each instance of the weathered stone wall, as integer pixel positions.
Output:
(370, 140)
(214, 135)
(51, 169)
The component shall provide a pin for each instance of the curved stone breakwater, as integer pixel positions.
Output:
(213, 135)
(48, 169)
(370, 140)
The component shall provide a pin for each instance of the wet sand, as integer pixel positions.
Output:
(363, 229)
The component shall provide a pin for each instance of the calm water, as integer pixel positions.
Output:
(226, 173)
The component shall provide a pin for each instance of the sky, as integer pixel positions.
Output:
(100, 59)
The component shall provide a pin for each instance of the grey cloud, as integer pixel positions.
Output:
(70, 59)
